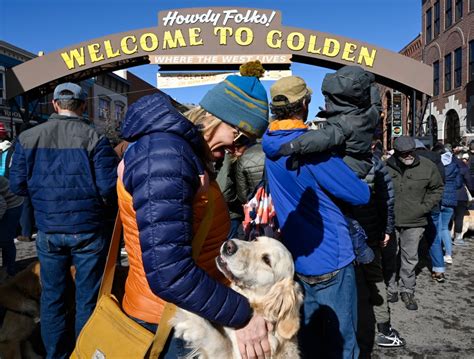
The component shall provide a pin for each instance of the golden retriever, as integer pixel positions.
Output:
(262, 271)
(468, 223)
(20, 297)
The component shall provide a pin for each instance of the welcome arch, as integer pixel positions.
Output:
(200, 38)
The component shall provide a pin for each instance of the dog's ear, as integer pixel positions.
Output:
(282, 305)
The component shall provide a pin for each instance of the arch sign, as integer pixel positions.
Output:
(203, 37)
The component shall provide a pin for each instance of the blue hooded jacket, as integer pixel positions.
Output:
(453, 180)
(313, 227)
(162, 168)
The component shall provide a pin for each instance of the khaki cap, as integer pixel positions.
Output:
(292, 87)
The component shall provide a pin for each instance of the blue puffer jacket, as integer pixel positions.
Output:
(162, 169)
(453, 180)
(69, 171)
(313, 227)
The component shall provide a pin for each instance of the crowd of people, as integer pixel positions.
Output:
(340, 202)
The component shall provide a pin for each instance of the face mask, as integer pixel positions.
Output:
(407, 161)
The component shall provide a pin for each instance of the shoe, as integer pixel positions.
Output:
(459, 242)
(393, 339)
(392, 297)
(448, 259)
(438, 277)
(24, 239)
(409, 300)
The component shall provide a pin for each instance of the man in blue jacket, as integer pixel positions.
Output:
(69, 172)
(313, 227)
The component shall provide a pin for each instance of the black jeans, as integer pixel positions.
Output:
(459, 212)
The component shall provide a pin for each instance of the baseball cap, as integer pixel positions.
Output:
(76, 92)
(294, 88)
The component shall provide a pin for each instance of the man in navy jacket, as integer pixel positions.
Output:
(313, 227)
(69, 172)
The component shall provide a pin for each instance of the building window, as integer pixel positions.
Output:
(471, 60)
(458, 5)
(436, 19)
(448, 19)
(429, 34)
(104, 108)
(119, 111)
(458, 67)
(471, 5)
(447, 72)
(436, 78)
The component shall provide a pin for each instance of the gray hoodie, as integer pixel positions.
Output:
(352, 113)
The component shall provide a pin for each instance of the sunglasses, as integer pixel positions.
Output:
(406, 154)
(239, 138)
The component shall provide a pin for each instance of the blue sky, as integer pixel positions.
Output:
(48, 25)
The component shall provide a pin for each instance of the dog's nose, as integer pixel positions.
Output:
(230, 247)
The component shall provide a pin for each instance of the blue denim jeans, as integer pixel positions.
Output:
(8, 226)
(443, 228)
(174, 347)
(440, 220)
(434, 241)
(56, 253)
(329, 317)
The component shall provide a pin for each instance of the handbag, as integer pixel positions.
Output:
(109, 332)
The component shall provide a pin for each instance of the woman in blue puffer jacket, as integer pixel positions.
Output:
(453, 181)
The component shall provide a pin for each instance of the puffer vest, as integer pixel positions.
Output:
(139, 301)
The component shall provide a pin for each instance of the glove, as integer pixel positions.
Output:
(289, 148)
(364, 254)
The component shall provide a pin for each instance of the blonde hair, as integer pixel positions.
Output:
(206, 123)
(203, 120)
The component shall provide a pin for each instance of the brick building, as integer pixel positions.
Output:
(448, 46)
(446, 43)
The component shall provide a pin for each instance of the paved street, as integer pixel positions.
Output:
(443, 326)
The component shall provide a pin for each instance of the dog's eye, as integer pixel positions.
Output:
(266, 259)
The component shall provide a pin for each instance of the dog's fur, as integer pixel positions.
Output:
(20, 297)
(468, 223)
(262, 271)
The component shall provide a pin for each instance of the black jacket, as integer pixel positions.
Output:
(466, 178)
(377, 217)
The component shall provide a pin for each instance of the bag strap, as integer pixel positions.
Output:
(164, 329)
(109, 271)
(169, 310)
